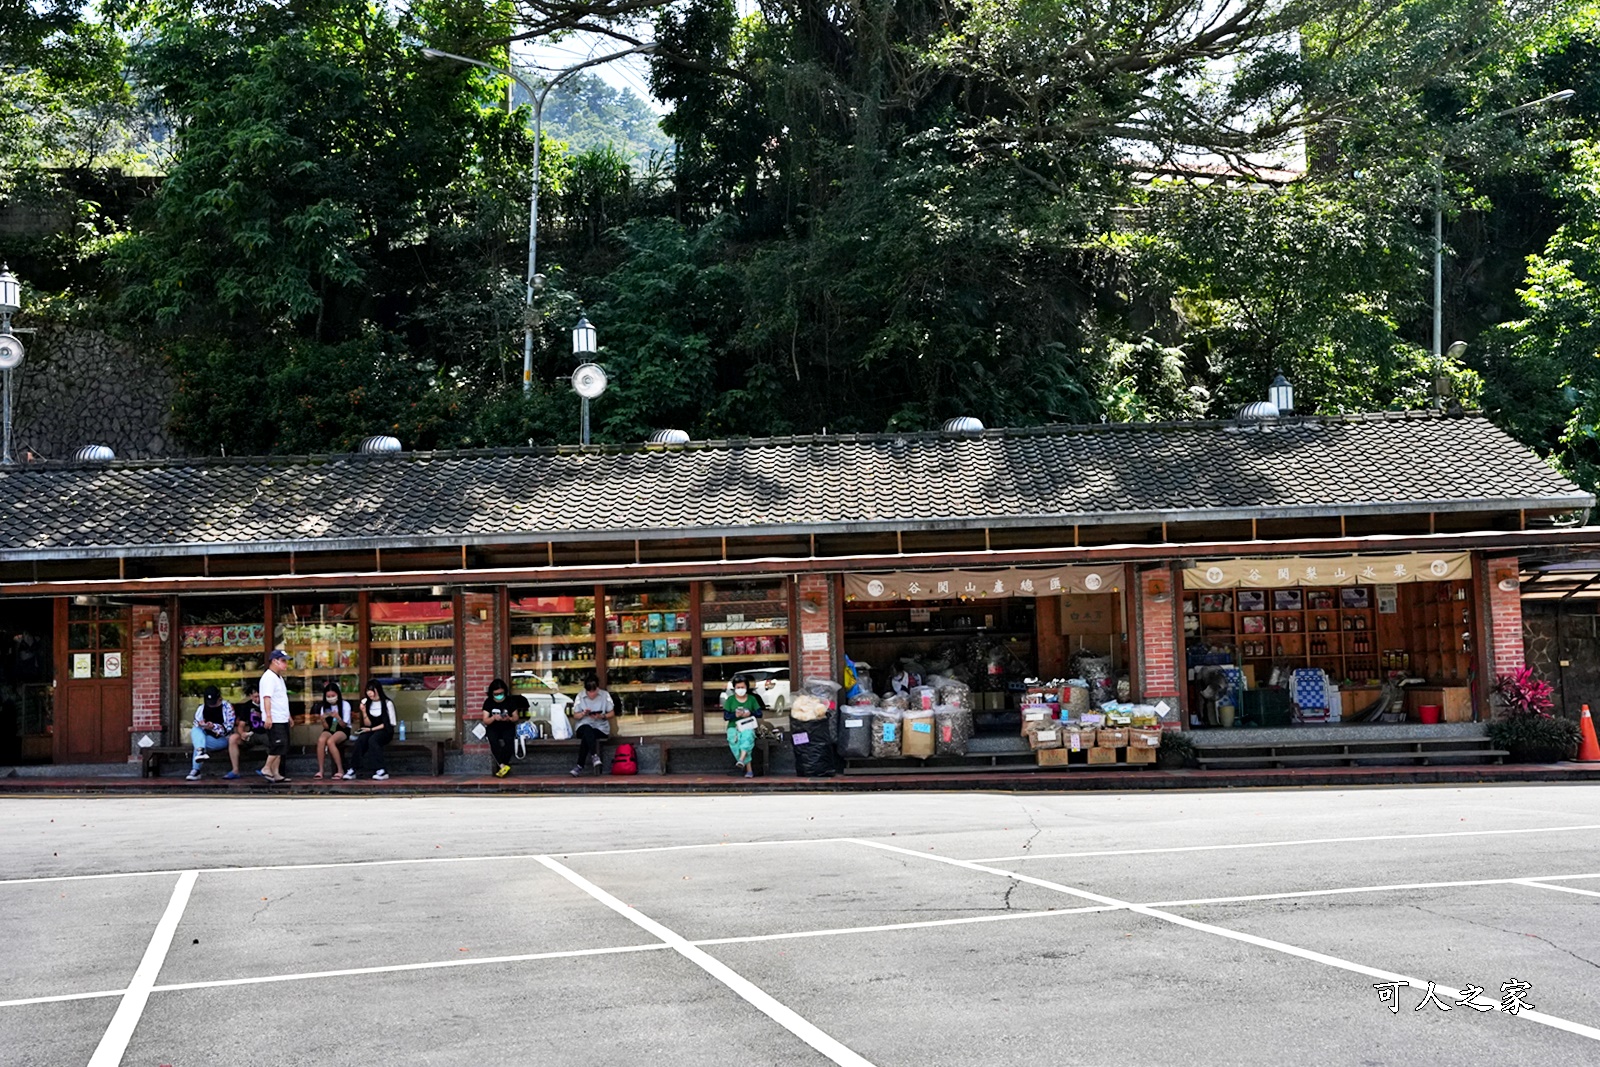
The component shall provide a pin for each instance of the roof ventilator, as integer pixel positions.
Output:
(669, 437)
(962, 424)
(94, 454)
(379, 445)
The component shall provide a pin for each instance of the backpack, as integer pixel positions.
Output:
(624, 761)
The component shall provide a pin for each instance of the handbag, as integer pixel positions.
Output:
(747, 723)
(526, 731)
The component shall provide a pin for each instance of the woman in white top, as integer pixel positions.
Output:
(335, 712)
(378, 722)
(591, 715)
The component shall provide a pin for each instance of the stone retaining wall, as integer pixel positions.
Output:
(79, 386)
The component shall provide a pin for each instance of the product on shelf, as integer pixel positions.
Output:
(886, 721)
(952, 729)
(855, 731)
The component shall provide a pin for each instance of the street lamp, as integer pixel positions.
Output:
(1438, 238)
(535, 280)
(1281, 393)
(11, 350)
(589, 379)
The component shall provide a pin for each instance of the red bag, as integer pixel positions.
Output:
(623, 761)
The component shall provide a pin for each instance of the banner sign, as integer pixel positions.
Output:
(1339, 570)
(982, 585)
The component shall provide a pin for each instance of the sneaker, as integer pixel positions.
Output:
(505, 769)
(231, 775)
(349, 775)
(202, 754)
(380, 776)
(193, 776)
(575, 771)
(594, 761)
(748, 773)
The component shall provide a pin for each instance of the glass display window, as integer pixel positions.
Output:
(650, 658)
(412, 642)
(221, 642)
(552, 640)
(744, 633)
(322, 635)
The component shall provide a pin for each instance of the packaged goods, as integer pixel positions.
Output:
(1148, 739)
(823, 690)
(1035, 715)
(813, 748)
(807, 708)
(952, 729)
(1109, 738)
(898, 701)
(1050, 737)
(954, 694)
(923, 698)
(886, 721)
(1075, 738)
(865, 700)
(854, 736)
(916, 741)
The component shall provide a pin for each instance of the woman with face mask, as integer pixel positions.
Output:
(335, 712)
(501, 710)
(740, 710)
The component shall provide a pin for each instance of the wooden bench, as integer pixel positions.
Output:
(150, 758)
(1283, 753)
(763, 749)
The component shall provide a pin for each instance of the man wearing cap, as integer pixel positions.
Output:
(275, 710)
(213, 721)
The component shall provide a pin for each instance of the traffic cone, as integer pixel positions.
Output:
(1588, 748)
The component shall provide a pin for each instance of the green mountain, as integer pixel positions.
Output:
(586, 112)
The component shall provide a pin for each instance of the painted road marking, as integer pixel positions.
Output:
(115, 1040)
(1558, 888)
(1344, 890)
(747, 990)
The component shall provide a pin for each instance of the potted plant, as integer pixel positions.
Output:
(1526, 728)
(1177, 750)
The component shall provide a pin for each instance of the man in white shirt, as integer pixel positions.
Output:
(275, 709)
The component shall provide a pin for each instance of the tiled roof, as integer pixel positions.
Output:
(1045, 476)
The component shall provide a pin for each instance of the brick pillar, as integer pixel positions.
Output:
(479, 664)
(817, 662)
(144, 672)
(1505, 619)
(1158, 642)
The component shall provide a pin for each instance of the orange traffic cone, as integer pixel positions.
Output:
(1588, 748)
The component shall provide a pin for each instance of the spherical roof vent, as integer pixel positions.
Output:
(669, 437)
(1261, 409)
(379, 445)
(94, 454)
(962, 424)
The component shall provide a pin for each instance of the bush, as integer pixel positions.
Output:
(1177, 749)
(1537, 738)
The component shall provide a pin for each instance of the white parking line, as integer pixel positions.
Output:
(1280, 844)
(1343, 890)
(752, 994)
(888, 927)
(419, 860)
(1235, 935)
(60, 997)
(1558, 888)
(115, 1040)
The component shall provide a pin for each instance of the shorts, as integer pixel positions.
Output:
(278, 739)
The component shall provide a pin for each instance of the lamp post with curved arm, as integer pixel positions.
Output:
(537, 95)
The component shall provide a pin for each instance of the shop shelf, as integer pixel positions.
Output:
(383, 668)
(650, 687)
(555, 639)
(559, 664)
(195, 676)
(775, 658)
(749, 631)
(631, 635)
(442, 642)
(222, 650)
(660, 661)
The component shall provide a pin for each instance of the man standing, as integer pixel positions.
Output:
(275, 709)
(213, 721)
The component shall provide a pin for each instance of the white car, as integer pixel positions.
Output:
(771, 684)
(544, 701)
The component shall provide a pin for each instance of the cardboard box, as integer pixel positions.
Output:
(1043, 739)
(916, 740)
(1111, 738)
(1146, 739)
(1054, 757)
(1101, 755)
(1134, 754)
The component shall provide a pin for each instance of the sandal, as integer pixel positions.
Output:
(317, 775)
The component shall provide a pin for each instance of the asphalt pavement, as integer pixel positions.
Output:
(1247, 927)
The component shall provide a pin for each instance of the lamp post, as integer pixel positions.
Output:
(588, 380)
(535, 280)
(11, 350)
(1438, 239)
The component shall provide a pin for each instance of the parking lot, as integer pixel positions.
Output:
(1195, 928)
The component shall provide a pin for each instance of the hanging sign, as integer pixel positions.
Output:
(111, 665)
(984, 584)
(1338, 570)
(83, 664)
(163, 627)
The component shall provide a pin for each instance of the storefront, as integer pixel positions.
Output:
(1152, 558)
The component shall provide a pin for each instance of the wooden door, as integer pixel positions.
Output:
(94, 708)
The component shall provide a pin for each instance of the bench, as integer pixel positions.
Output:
(763, 750)
(1283, 753)
(150, 758)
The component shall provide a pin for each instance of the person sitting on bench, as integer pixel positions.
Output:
(248, 725)
(501, 710)
(378, 723)
(335, 712)
(213, 721)
(592, 712)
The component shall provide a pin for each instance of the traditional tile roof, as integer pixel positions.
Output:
(1052, 475)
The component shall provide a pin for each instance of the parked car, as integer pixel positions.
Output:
(544, 699)
(771, 684)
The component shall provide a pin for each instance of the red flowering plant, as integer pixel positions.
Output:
(1521, 693)
(1527, 729)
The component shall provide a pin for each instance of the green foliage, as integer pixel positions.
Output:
(588, 114)
(1536, 737)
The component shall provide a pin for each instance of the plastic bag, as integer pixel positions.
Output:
(813, 749)
(954, 694)
(853, 738)
(865, 700)
(952, 729)
(923, 698)
(886, 722)
(807, 708)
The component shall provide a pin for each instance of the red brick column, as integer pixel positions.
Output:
(1158, 641)
(480, 662)
(817, 589)
(144, 673)
(1505, 618)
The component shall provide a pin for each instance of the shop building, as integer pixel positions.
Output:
(1358, 545)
